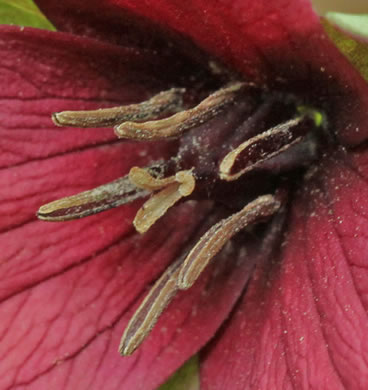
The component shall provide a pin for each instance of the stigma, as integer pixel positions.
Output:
(235, 148)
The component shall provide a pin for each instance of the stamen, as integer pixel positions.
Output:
(183, 121)
(113, 194)
(216, 237)
(174, 188)
(150, 310)
(162, 103)
(262, 147)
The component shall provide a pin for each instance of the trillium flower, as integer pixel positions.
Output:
(239, 164)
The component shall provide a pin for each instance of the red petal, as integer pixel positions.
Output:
(98, 19)
(281, 43)
(303, 324)
(68, 290)
(243, 33)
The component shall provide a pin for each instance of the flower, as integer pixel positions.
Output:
(289, 295)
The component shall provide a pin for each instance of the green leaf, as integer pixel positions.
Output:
(186, 378)
(23, 13)
(355, 24)
(355, 51)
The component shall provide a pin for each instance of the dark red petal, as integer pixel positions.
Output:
(281, 43)
(70, 290)
(243, 33)
(303, 324)
(98, 19)
(66, 287)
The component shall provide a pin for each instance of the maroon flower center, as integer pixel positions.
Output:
(239, 148)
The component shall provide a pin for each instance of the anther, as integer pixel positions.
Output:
(113, 194)
(251, 153)
(163, 103)
(142, 178)
(150, 310)
(218, 235)
(183, 121)
(171, 190)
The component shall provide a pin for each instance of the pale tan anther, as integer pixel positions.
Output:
(107, 196)
(216, 237)
(187, 181)
(141, 178)
(150, 310)
(165, 102)
(183, 121)
(171, 190)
